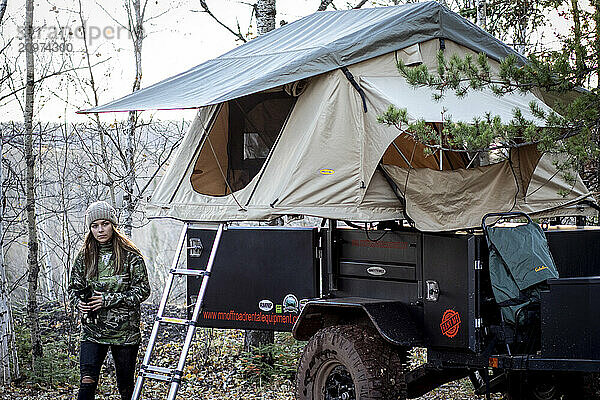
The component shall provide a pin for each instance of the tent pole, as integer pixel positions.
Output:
(473, 159)
(402, 155)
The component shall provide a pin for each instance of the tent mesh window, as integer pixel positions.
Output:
(239, 142)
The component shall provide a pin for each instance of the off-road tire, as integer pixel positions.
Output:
(358, 353)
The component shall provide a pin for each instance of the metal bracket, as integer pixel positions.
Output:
(195, 248)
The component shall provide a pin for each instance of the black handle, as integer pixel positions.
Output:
(504, 215)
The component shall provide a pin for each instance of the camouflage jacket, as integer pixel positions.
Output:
(118, 321)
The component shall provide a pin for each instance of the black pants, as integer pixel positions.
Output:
(92, 356)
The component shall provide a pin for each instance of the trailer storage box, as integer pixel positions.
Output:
(571, 318)
(260, 279)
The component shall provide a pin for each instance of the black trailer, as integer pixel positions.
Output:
(363, 298)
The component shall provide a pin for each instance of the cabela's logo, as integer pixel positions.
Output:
(450, 323)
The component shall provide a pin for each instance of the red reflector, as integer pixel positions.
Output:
(493, 362)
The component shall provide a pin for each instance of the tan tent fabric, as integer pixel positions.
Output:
(451, 200)
(544, 191)
(524, 160)
(207, 177)
(183, 161)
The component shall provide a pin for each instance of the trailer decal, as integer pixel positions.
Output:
(265, 305)
(249, 317)
(290, 304)
(450, 323)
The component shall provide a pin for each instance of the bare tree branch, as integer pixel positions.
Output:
(111, 17)
(360, 4)
(15, 91)
(237, 34)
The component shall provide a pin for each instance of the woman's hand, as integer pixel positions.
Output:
(94, 304)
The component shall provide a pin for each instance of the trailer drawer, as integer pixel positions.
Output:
(570, 318)
(385, 247)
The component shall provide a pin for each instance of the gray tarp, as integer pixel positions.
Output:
(315, 44)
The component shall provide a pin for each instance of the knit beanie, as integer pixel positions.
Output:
(100, 210)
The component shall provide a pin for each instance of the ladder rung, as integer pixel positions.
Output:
(160, 370)
(158, 377)
(177, 321)
(192, 272)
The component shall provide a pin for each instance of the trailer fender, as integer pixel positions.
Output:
(397, 322)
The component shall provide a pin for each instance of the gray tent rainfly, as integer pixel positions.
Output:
(321, 42)
(287, 124)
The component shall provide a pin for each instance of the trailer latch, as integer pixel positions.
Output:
(432, 290)
(195, 248)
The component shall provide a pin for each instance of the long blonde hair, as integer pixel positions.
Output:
(90, 250)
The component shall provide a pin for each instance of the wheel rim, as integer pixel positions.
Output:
(336, 382)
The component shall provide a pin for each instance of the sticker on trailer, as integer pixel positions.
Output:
(450, 323)
(290, 304)
(265, 305)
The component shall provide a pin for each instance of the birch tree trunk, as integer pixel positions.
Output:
(484, 156)
(32, 258)
(136, 27)
(265, 16)
(8, 352)
(481, 14)
(2, 8)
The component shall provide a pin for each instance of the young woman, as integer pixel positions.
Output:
(111, 270)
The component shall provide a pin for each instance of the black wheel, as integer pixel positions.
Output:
(530, 386)
(350, 363)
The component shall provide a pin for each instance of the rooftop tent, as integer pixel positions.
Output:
(299, 134)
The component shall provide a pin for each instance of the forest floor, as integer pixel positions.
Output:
(216, 367)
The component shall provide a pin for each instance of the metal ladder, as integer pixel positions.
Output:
(174, 375)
